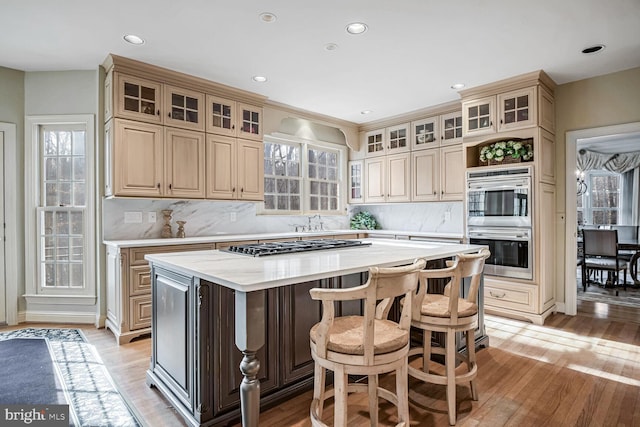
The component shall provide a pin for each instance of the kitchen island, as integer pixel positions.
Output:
(202, 300)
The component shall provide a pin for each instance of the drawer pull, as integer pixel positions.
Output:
(495, 295)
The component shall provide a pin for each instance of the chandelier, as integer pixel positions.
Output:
(580, 184)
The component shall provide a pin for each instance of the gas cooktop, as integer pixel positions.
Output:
(278, 248)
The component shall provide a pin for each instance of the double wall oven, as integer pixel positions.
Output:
(499, 206)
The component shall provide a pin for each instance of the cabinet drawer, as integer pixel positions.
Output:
(137, 254)
(139, 280)
(516, 297)
(140, 312)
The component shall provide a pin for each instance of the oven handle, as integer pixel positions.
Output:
(520, 237)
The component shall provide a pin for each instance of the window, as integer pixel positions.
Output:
(62, 197)
(302, 177)
(601, 204)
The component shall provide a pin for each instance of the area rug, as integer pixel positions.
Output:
(92, 396)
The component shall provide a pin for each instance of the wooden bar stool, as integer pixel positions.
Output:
(449, 314)
(364, 345)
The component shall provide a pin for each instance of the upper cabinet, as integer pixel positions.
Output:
(375, 142)
(397, 139)
(518, 103)
(356, 181)
(445, 129)
(156, 126)
(451, 128)
(231, 118)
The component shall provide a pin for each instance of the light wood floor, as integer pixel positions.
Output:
(579, 370)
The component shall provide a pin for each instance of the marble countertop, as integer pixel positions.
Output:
(224, 237)
(245, 273)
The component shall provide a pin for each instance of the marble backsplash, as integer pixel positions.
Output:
(207, 218)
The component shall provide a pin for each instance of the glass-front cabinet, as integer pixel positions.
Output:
(425, 133)
(138, 99)
(231, 118)
(375, 142)
(517, 109)
(451, 128)
(479, 116)
(398, 138)
(356, 190)
(185, 108)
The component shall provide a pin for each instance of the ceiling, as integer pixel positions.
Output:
(412, 53)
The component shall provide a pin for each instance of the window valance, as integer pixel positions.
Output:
(614, 162)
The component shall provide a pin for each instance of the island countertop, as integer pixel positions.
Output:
(245, 273)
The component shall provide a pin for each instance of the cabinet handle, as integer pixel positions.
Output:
(158, 113)
(242, 189)
(441, 137)
(233, 190)
(158, 186)
(435, 192)
(501, 121)
(169, 114)
(169, 186)
(442, 192)
(233, 127)
(502, 295)
(490, 123)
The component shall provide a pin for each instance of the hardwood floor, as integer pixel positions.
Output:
(579, 370)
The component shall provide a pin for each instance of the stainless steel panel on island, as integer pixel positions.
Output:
(202, 301)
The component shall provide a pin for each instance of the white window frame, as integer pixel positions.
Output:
(587, 209)
(305, 187)
(35, 292)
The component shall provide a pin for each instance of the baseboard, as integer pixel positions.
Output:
(59, 317)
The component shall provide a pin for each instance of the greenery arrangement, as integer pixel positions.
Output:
(364, 221)
(502, 150)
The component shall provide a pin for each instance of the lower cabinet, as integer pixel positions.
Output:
(129, 288)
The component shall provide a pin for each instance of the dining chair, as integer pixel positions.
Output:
(366, 345)
(601, 254)
(449, 314)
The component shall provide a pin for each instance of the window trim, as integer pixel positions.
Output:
(304, 144)
(34, 292)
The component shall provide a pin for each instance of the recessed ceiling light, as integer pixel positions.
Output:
(457, 86)
(268, 17)
(330, 46)
(133, 39)
(593, 49)
(366, 112)
(356, 28)
(259, 79)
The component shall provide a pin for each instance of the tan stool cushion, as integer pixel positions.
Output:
(346, 336)
(436, 305)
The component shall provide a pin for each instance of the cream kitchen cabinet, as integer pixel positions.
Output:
(146, 100)
(479, 116)
(235, 168)
(388, 178)
(146, 160)
(129, 288)
(435, 131)
(398, 139)
(356, 181)
(230, 118)
(375, 143)
(437, 174)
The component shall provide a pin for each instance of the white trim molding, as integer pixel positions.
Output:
(571, 233)
(11, 221)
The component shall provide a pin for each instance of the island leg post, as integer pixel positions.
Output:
(249, 339)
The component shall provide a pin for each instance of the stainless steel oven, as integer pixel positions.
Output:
(511, 250)
(500, 197)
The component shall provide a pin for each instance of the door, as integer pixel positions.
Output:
(3, 300)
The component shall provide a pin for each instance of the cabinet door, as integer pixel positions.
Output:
(108, 158)
(375, 143)
(399, 178)
(398, 138)
(184, 108)
(356, 190)
(517, 109)
(375, 177)
(221, 116)
(451, 128)
(249, 122)
(479, 116)
(250, 170)
(452, 173)
(184, 163)
(221, 167)
(426, 175)
(138, 154)
(546, 110)
(138, 99)
(299, 314)
(424, 133)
